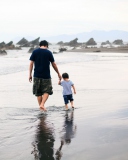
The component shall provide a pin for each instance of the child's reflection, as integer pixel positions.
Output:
(69, 127)
(69, 131)
(43, 148)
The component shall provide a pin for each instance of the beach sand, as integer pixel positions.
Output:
(96, 129)
(102, 49)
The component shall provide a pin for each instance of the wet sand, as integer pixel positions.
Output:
(104, 50)
(96, 129)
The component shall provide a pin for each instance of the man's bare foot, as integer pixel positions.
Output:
(43, 108)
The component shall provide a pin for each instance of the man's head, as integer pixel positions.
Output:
(44, 43)
(65, 75)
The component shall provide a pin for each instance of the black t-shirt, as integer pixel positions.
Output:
(42, 59)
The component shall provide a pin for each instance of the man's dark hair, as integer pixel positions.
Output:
(65, 75)
(44, 43)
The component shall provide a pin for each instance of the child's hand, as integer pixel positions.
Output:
(74, 92)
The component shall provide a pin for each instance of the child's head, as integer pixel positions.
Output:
(65, 75)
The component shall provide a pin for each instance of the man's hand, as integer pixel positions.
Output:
(30, 79)
(30, 70)
(59, 77)
(59, 82)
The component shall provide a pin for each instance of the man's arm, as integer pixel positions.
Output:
(56, 69)
(30, 70)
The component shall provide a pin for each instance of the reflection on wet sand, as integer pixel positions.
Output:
(68, 132)
(43, 145)
(59, 152)
(69, 127)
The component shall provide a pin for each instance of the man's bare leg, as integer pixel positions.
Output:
(44, 99)
(39, 99)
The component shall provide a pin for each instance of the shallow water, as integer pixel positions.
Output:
(96, 129)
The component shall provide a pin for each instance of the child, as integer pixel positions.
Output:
(67, 92)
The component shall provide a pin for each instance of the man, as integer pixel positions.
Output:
(42, 86)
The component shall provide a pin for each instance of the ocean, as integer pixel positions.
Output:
(96, 129)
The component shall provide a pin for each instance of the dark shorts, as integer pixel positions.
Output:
(41, 86)
(67, 98)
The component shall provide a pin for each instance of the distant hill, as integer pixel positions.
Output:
(99, 36)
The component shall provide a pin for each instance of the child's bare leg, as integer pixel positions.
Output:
(66, 106)
(44, 99)
(72, 104)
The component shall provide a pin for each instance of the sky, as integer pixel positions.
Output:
(54, 17)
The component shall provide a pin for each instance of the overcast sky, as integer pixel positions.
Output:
(54, 17)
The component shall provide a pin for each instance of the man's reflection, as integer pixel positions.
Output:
(43, 147)
(69, 130)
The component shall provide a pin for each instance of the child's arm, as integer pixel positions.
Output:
(74, 89)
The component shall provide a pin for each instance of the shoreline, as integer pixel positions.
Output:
(100, 116)
(98, 50)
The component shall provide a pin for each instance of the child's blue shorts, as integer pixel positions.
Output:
(67, 98)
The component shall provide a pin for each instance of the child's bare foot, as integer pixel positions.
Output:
(66, 108)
